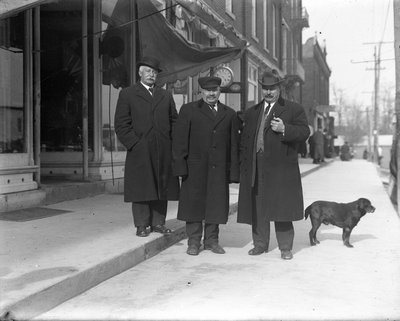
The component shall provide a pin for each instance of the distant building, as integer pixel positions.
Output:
(316, 87)
(384, 144)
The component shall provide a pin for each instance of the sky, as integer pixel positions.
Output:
(349, 27)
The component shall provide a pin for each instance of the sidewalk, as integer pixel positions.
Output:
(74, 246)
(324, 282)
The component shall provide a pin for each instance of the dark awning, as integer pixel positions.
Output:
(9, 8)
(179, 57)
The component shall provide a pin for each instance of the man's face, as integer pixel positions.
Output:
(148, 75)
(210, 96)
(271, 94)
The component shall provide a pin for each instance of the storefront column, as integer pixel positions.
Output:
(36, 89)
(85, 113)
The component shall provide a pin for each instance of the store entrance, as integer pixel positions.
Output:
(61, 141)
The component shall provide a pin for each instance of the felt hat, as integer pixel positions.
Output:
(149, 62)
(270, 79)
(210, 83)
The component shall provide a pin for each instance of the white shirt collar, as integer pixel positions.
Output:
(145, 86)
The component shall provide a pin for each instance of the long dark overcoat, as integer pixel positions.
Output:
(282, 190)
(205, 149)
(143, 124)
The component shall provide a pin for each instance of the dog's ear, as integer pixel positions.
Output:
(362, 203)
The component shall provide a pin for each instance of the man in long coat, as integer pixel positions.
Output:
(270, 181)
(205, 155)
(318, 146)
(144, 119)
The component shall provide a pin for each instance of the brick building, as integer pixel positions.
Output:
(70, 58)
(316, 87)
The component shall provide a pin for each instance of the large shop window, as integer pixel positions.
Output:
(12, 109)
(61, 78)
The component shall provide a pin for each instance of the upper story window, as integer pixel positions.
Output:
(254, 19)
(265, 24)
(229, 8)
(274, 32)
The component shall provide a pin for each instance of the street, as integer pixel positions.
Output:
(328, 281)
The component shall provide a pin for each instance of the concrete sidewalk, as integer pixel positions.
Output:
(324, 282)
(74, 246)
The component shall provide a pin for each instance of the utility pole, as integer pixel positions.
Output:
(376, 100)
(396, 12)
(377, 68)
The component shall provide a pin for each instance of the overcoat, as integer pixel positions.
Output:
(282, 196)
(206, 150)
(143, 124)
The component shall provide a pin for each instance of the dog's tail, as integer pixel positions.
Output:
(307, 212)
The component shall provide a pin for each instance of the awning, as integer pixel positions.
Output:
(10, 8)
(179, 57)
(324, 108)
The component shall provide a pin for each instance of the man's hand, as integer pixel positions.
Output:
(277, 125)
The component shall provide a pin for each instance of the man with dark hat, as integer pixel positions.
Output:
(144, 118)
(205, 156)
(270, 181)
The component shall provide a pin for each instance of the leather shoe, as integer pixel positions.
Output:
(257, 251)
(161, 229)
(193, 250)
(286, 255)
(142, 231)
(215, 248)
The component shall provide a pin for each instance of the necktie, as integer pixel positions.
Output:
(214, 109)
(267, 110)
(151, 90)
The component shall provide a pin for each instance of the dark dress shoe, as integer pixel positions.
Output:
(193, 250)
(142, 231)
(286, 255)
(215, 248)
(257, 251)
(161, 229)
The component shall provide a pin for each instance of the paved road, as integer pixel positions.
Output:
(328, 281)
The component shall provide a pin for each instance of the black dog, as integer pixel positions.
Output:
(344, 215)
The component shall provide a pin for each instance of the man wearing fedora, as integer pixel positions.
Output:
(144, 118)
(206, 157)
(270, 181)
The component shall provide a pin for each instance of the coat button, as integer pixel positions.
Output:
(214, 131)
(214, 166)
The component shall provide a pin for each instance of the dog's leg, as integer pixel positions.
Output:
(346, 236)
(313, 232)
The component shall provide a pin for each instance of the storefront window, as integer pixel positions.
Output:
(61, 77)
(12, 113)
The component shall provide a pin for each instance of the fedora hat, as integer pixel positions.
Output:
(149, 62)
(270, 79)
(210, 83)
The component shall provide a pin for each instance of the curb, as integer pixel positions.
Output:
(50, 297)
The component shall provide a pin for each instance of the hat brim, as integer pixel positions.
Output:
(140, 63)
(274, 84)
(210, 88)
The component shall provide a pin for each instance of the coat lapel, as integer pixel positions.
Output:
(276, 111)
(205, 109)
(221, 114)
(142, 92)
(158, 95)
